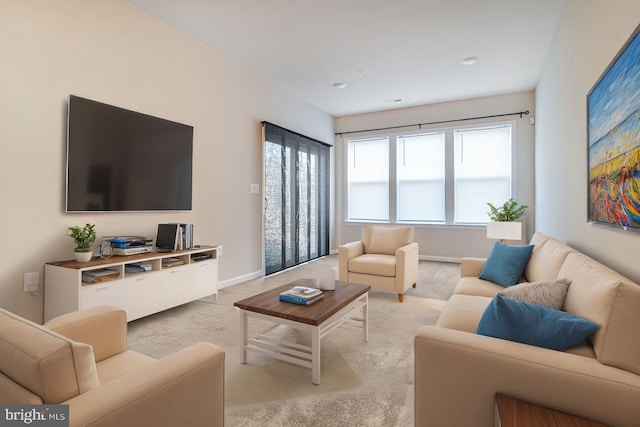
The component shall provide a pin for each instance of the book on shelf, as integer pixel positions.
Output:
(302, 301)
(100, 275)
(175, 236)
(133, 268)
(171, 262)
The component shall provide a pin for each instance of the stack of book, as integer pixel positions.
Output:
(99, 275)
(302, 295)
(171, 262)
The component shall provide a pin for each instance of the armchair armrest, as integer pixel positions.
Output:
(103, 327)
(347, 252)
(471, 267)
(185, 388)
(457, 375)
(406, 266)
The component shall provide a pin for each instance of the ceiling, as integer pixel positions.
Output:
(389, 53)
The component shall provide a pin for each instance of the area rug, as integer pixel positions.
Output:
(362, 384)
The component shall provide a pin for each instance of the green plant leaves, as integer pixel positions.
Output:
(83, 237)
(511, 210)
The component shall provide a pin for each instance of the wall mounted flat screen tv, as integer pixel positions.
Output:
(122, 160)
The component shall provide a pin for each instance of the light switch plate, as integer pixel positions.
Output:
(255, 188)
(31, 281)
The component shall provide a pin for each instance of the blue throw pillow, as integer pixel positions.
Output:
(506, 263)
(533, 324)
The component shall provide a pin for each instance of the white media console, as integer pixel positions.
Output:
(139, 294)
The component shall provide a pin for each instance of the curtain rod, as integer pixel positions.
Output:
(519, 113)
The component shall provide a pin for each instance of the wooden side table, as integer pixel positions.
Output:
(511, 412)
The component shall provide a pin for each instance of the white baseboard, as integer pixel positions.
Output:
(240, 279)
(256, 274)
(439, 258)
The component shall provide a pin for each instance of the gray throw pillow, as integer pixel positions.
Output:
(548, 293)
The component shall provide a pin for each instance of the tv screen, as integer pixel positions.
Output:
(121, 160)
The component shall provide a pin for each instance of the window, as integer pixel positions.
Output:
(420, 178)
(482, 171)
(445, 176)
(368, 176)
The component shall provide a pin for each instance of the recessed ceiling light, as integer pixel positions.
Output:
(470, 60)
(339, 85)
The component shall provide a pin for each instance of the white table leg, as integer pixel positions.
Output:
(243, 336)
(315, 355)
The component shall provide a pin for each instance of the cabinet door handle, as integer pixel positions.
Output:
(102, 288)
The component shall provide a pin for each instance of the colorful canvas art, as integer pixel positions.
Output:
(614, 140)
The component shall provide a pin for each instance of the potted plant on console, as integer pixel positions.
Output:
(84, 238)
(505, 221)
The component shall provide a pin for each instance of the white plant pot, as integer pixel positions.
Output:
(504, 230)
(83, 256)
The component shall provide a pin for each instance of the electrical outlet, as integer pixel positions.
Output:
(31, 281)
(219, 251)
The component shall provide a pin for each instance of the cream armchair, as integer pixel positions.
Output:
(386, 258)
(81, 359)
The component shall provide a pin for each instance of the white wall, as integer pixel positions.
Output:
(114, 53)
(589, 35)
(437, 241)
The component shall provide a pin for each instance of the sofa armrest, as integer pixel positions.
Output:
(471, 267)
(182, 389)
(103, 327)
(457, 375)
(347, 252)
(406, 266)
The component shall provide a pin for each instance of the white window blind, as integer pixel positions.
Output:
(368, 179)
(482, 171)
(420, 169)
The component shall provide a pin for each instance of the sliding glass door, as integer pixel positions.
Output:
(296, 185)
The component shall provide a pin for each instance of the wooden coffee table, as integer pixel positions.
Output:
(337, 308)
(512, 412)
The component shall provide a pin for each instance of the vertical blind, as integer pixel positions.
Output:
(296, 185)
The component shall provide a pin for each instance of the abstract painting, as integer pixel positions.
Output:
(613, 108)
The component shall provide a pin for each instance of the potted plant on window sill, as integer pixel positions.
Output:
(506, 221)
(83, 238)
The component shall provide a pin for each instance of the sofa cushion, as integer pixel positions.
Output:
(605, 297)
(374, 264)
(463, 312)
(44, 362)
(546, 258)
(506, 263)
(476, 286)
(548, 293)
(120, 365)
(533, 324)
(385, 240)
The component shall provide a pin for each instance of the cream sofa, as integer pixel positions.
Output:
(81, 359)
(458, 373)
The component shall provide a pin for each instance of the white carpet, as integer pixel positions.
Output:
(362, 384)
